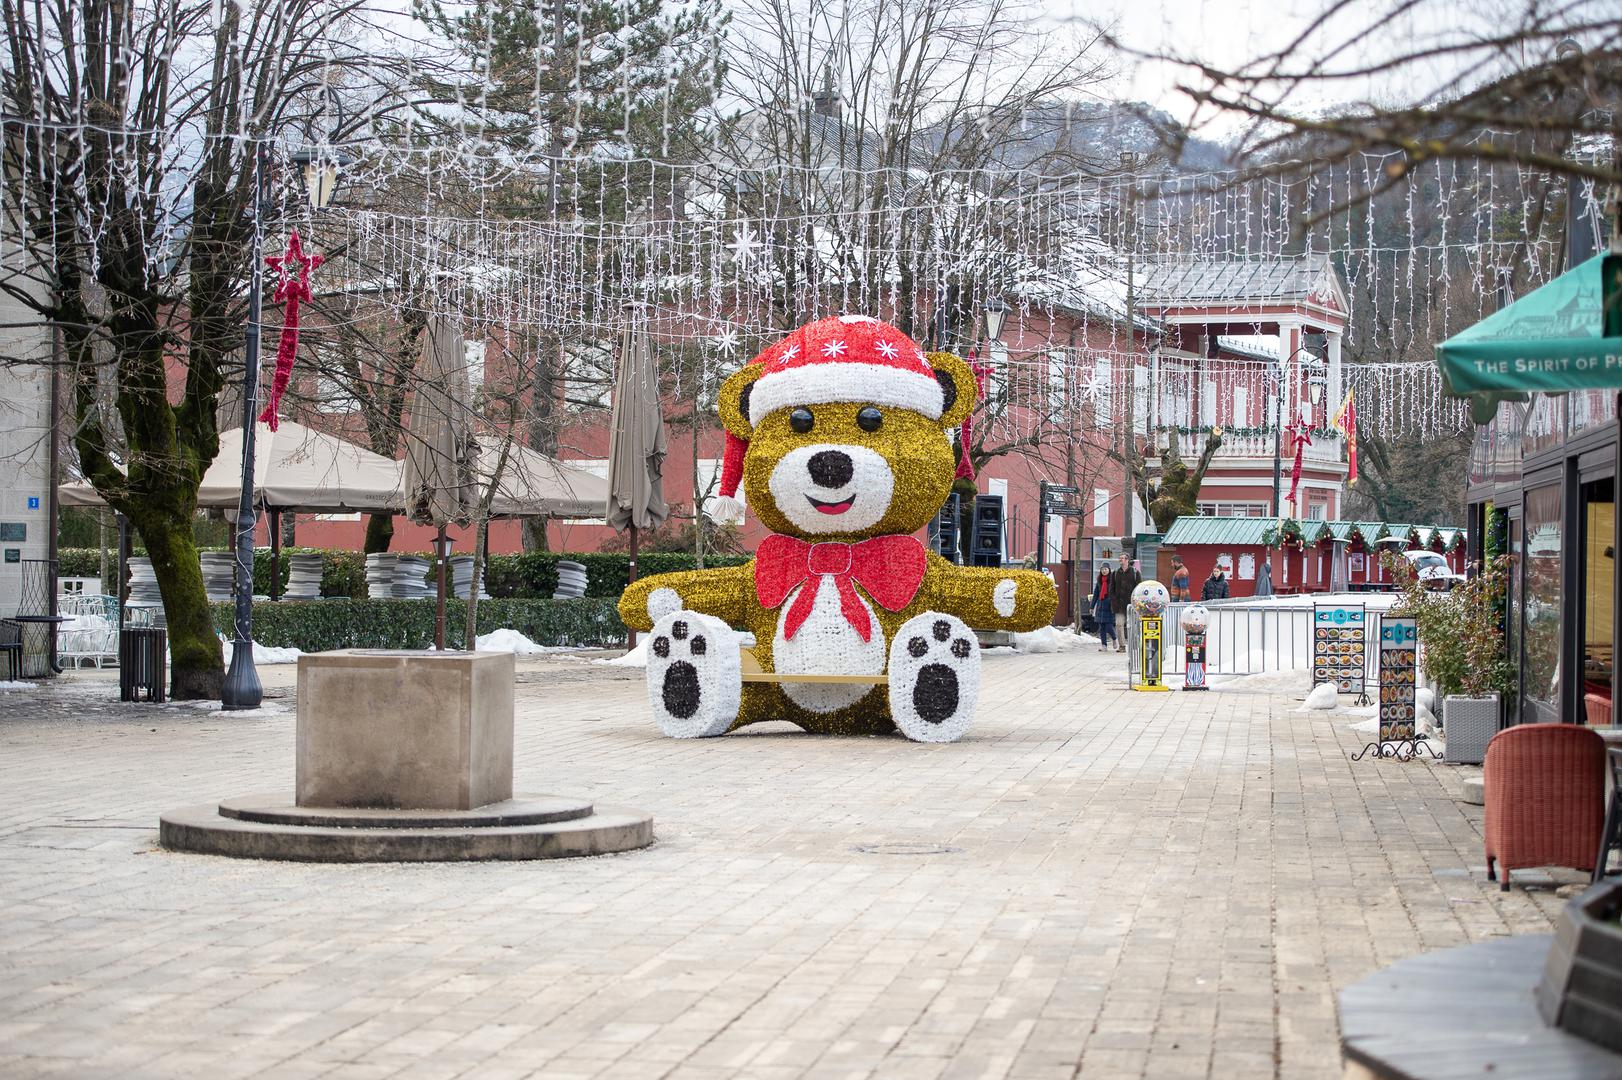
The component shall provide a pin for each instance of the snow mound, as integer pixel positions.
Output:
(1047, 639)
(1323, 696)
(637, 657)
(1426, 698)
(266, 654)
(514, 642)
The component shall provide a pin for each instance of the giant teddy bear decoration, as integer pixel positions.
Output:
(838, 434)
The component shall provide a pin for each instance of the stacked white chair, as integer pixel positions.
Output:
(571, 580)
(411, 578)
(462, 578)
(303, 578)
(380, 570)
(218, 574)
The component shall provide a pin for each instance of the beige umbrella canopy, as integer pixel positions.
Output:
(534, 485)
(636, 452)
(294, 468)
(440, 484)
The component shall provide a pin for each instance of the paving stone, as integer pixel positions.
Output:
(1128, 885)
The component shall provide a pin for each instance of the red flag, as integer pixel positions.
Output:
(1346, 421)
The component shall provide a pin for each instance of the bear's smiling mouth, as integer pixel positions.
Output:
(831, 507)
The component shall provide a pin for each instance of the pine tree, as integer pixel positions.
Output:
(605, 91)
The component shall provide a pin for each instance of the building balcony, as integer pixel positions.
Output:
(1326, 450)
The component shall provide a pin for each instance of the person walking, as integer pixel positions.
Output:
(1216, 586)
(1122, 581)
(1179, 580)
(1103, 614)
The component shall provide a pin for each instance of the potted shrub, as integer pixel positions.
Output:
(1462, 651)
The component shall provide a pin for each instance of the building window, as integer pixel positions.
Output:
(1101, 507)
(1241, 406)
(1235, 509)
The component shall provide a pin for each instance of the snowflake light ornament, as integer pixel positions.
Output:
(744, 243)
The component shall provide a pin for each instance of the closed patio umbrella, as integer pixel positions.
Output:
(636, 452)
(440, 484)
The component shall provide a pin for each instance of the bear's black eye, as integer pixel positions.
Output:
(801, 420)
(869, 419)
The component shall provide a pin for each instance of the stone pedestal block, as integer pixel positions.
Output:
(404, 730)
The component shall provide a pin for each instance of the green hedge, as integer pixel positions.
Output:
(536, 573)
(532, 575)
(318, 625)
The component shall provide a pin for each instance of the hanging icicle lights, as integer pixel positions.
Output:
(730, 257)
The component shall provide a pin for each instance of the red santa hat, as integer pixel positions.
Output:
(854, 358)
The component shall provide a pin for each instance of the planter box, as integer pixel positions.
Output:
(1581, 991)
(1469, 724)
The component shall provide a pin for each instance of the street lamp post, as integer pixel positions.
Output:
(319, 172)
(242, 689)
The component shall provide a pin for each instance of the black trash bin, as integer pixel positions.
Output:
(142, 653)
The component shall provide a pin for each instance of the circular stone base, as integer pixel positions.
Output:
(535, 810)
(528, 827)
(1475, 791)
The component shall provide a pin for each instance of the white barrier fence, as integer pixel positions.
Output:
(1250, 637)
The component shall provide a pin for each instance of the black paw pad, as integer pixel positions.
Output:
(943, 630)
(960, 648)
(917, 646)
(661, 646)
(680, 691)
(934, 695)
(698, 645)
(678, 629)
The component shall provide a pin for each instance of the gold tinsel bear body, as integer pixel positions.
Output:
(847, 458)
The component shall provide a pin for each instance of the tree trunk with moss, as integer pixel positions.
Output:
(379, 533)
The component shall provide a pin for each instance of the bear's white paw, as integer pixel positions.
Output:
(694, 681)
(934, 677)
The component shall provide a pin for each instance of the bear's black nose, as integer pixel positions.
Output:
(831, 468)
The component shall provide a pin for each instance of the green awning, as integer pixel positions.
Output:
(1551, 340)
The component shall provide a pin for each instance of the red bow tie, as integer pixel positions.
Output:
(889, 568)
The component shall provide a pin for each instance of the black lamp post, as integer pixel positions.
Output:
(242, 689)
(319, 171)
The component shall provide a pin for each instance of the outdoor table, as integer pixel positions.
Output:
(37, 660)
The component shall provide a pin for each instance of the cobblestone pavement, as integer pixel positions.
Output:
(1094, 883)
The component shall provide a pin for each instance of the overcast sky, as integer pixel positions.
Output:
(1231, 32)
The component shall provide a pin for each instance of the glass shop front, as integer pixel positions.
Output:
(1542, 488)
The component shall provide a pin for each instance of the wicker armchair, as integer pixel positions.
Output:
(1545, 789)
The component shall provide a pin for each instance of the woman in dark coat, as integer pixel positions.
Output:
(1216, 586)
(1103, 614)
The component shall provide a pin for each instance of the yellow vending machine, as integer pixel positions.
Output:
(1149, 602)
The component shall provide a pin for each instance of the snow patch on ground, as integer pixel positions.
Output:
(1323, 696)
(512, 641)
(637, 657)
(8, 685)
(1047, 639)
(265, 654)
(1426, 698)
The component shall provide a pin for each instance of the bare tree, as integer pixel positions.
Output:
(1517, 82)
(130, 136)
(872, 147)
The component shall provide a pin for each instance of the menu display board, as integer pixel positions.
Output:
(1339, 644)
(1399, 641)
